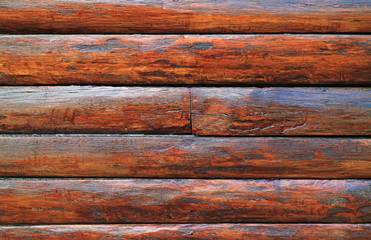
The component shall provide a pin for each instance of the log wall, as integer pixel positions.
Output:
(180, 119)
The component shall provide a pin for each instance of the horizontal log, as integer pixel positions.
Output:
(281, 111)
(178, 60)
(184, 201)
(187, 231)
(94, 110)
(183, 157)
(186, 16)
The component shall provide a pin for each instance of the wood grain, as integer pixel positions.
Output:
(184, 16)
(190, 59)
(188, 231)
(94, 110)
(281, 111)
(184, 201)
(183, 157)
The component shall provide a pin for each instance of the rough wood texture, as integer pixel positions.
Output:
(187, 231)
(184, 16)
(94, 110)
(281, 111)
(184, 201)
(214, 59)
(183, 157)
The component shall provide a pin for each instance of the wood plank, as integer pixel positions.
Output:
(188, 231)
(186, 16)
(281, 111)
(191, 59)
(94, 110)
(183, 157)
(184, 201)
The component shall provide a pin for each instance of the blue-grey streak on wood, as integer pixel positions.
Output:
(37, 201)
(183, 157)
(264, 60)
(281, 111)
(188, 16)
(87, 109)
(190, 231)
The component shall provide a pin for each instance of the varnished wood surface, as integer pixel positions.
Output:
(184, 16)
(207, 186)
(189, 59)
(94, 110)
(188, 231)
(281, 111)
(184, 201)
(183, 157)
(215, 111)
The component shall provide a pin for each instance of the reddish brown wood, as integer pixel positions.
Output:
(184, 201)
(184, 16)
(158, 60)
(187, 231)
(183, 157)
(94, 110)
(281, 111)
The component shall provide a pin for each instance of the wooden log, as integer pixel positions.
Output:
(185, 16)
(184, 201)
(179, 60)
(94, 110)
(281, 111)
(188, 231)
(183, 157)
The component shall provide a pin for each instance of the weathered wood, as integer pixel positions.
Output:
(184, 201)
(94, 110)
(183, 157)
(214, 59)
(281, 111)
(187, 231)
(184, 16)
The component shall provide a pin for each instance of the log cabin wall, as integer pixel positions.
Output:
(185, 119)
